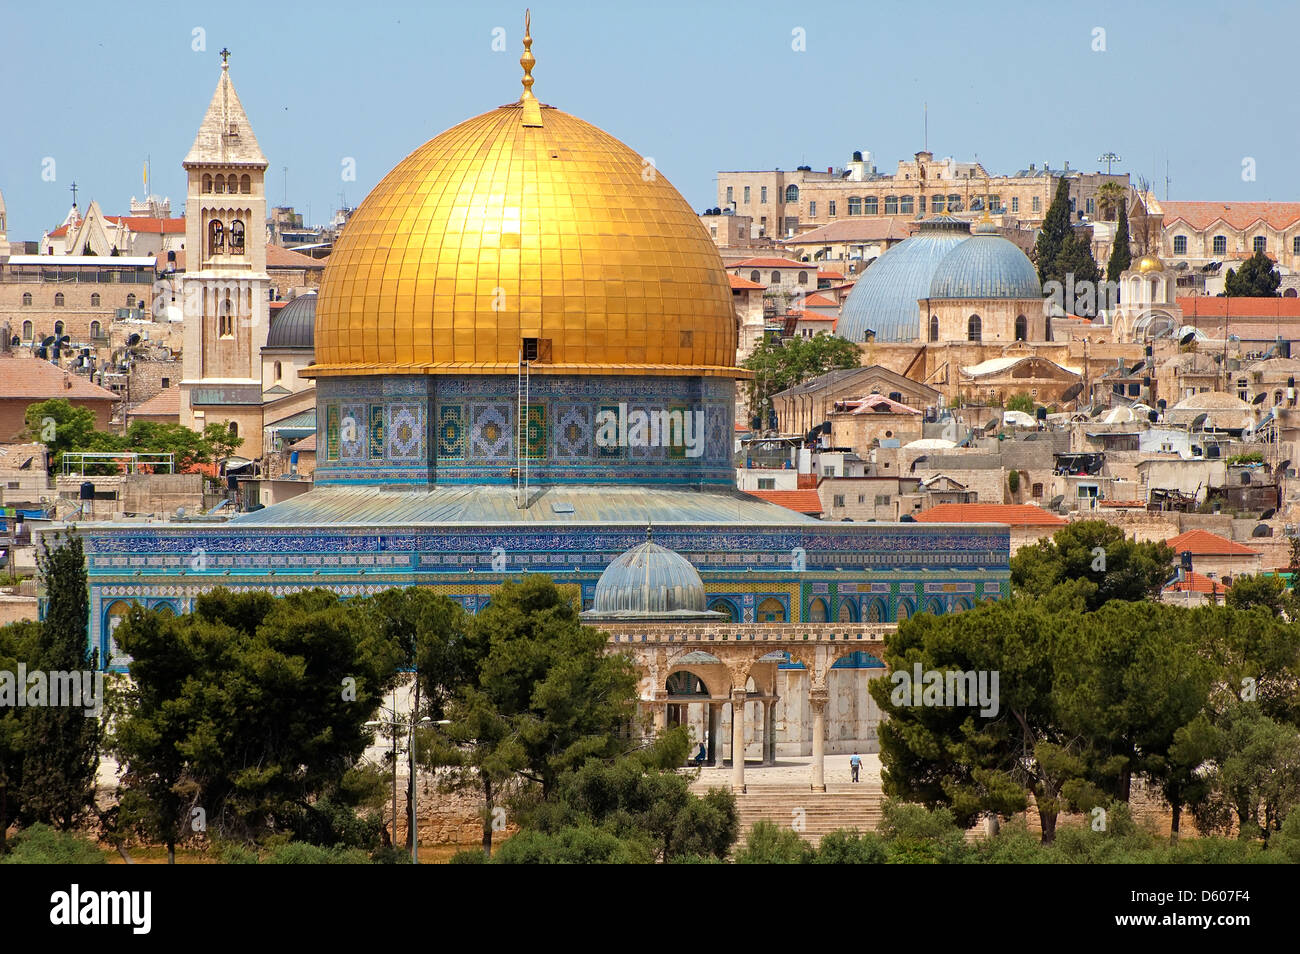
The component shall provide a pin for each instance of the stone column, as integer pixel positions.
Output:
(769, 734)
(661, 710)
(818, 698)
(738, 740)
(713, 754)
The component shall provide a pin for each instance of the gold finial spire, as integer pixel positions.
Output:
(532, 108)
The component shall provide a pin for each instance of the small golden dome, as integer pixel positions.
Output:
(1149, 263)
(525, 223)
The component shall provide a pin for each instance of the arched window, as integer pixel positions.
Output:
(905, 609)
(94, 300)
(207, 182)
(27, 331)
(770, 611)
(130, 300)
(94, 329)
(234, 429)
(875, 611)
(724, 606)
(277, 371)
(792, 193)
(803, 278)
(216, 237)
(776, 278)
(934, 327)
(27, 298)
(871, 205)
(755, 277)
(855, 205)
(220, 184)
(973, 328)
(1220, 244)
(225, 319)
(237, 237)
(1022, 328)
(245, 184)
(934, 606)
(848, 612)
(58, 329)
(58, 299)
(817, 611)
(891, 205)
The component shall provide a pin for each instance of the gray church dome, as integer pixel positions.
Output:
(650, 582)
(986, 265)
(884, 299)
(294, 325)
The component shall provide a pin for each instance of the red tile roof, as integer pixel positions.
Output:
(819, 301)
(800, 501)
(32, 379)
(812, 316)
(866, 228)
(166, 403)
(1016, 515)
(145, 224)
(1206, 307)
(1237, 215)
(737, 283)
(308, 443)
(768, 263)
(1197, 583)
(829, 275)
(61, 231)
(1205, 543)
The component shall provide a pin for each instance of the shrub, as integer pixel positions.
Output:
(40, 844)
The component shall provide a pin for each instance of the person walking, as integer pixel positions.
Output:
(855, 763)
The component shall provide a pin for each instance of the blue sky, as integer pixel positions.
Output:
(699, 86)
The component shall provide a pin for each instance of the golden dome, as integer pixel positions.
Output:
(1149, 263)
(525, 223)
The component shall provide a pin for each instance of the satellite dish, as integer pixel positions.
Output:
(1283, 466)
(1199, 421)
(1259, 398)
(1268, 514)
(1056, 501)
(1187, 338)
(48, 342)
(132, 341)
(1072, 392)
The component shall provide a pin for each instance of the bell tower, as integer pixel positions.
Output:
(225, 282)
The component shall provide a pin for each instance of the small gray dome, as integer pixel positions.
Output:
(986, 266)
(650, 581)
(294, 325)
(884, 299)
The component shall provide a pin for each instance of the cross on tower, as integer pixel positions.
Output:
(74, 193)
(225, 58)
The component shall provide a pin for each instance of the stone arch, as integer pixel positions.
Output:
(685, 682)
(817, 610)
(876, 611)
(848, 610)
(906, 608)
(934, 605)
(963, 603)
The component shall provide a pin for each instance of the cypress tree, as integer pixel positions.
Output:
(1056, 227)
(61, 743)
(1120, 255)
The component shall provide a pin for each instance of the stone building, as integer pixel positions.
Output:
(28, 380)
(225, 270)
(1196, 234)
(785, 203)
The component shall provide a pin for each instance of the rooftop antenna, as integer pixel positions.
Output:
(1109, 157)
